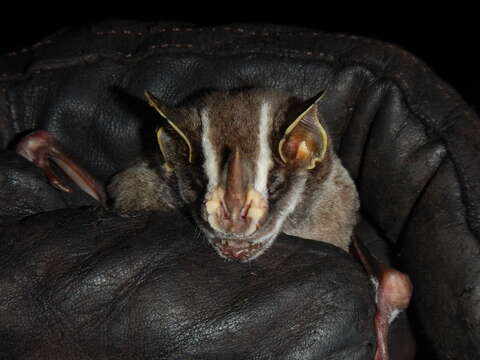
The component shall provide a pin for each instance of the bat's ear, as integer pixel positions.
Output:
(305, 142)
(168, 114)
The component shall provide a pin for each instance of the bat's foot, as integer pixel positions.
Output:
(40, 147)
(393, 293)
(393, 296)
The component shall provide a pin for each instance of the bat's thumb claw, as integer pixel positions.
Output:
(40, 147)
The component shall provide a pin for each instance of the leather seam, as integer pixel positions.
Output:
(287, 53)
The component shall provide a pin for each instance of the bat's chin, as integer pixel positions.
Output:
(240, 247)
(242, 250)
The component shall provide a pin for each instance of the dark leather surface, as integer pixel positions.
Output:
(407, 138)
(147, 287)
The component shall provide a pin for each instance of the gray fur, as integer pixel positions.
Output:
(328, 209)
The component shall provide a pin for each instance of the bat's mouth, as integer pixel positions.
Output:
(239, 247)
(242, 250)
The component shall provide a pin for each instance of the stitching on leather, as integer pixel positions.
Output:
(319, 55)
(242, 30)
(395, 77)
(8, 76)
(166, 45)
(286, 53)
(267, 34)
(408, 56)
(190, 29)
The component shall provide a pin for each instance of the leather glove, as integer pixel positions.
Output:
(406, 137)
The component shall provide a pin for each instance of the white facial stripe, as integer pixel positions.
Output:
(264, 161)
(211, 161)
(292, 201)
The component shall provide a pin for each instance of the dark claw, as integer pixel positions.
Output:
(393, 293)
(40, 147)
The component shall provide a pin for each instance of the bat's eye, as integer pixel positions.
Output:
(162, 137)
(305, 141)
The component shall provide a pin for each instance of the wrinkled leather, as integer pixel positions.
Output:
(147, 287)
(407, 138)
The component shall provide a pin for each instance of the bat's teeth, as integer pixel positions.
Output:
(240, 252)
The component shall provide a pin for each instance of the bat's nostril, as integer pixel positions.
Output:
(240, 214)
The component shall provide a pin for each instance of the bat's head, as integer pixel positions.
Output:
(241, 162)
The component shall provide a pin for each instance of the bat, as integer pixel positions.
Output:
(246, 165)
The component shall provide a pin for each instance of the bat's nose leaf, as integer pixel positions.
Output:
(235, 194)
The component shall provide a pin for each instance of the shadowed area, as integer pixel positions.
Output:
(87, 284)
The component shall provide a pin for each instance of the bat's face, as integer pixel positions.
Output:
(241, 162)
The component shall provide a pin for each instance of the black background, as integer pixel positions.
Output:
(447, 38)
